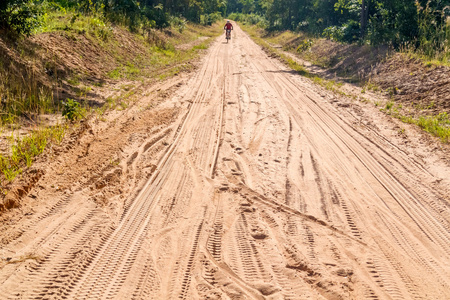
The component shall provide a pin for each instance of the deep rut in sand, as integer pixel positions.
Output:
(264, 192)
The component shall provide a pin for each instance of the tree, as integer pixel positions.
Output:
(20, 16)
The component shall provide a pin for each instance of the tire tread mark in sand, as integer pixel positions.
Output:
(117, 259)
(154, 141)
(291, 227)
(405, 277)
(185, 284)
(249, 270)
(419, 199)
(398, 191)
(220, 128)
(254, 269)
(290, 290)
(384, 176)
(144, 147)
(214, 243)
(418, 191)
(310, 241)
(281, 207)
(288, 162)
(369, 293)
(40, 246)
(427, 262)
(350, 217)
(40, 270)
(391, 145)
(55, 207)
(383, 277)
(318, 180)
(70, 264)
(147, 283)
(182, 192)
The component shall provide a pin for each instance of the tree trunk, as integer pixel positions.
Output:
(363, 18)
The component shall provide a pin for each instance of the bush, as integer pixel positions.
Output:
(210, 18)
(20, 16)
(71, 110)
(156, 17)
(178, 23)
(349, 32)
(304, 45)
(251, 19)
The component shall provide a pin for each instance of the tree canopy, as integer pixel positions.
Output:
(423, 23)
(394, 22)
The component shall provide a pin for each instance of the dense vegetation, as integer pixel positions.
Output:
(22, 16)
(421, 24)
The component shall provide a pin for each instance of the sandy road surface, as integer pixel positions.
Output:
(264, 192)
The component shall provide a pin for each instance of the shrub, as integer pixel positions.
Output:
(210, 18)
(349, 32)
(71, 110)
(252, 19)
(20, 16)
(178, 23)
(305, 45)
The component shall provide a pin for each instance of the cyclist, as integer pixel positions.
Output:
(228, 27)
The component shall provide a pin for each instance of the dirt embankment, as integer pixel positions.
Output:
(97, 159)
(78, 65)
(60, 60)
(425, 87)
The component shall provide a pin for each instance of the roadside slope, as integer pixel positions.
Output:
(82, 75)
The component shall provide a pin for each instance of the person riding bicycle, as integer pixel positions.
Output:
(228, 27)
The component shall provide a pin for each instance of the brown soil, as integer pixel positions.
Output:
(66, 62)
(415, 83)
(423, 88)
(351, 61)
(242, 180)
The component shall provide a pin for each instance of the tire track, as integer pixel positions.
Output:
(263, 193)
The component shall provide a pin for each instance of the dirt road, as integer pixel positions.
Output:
(260, 189)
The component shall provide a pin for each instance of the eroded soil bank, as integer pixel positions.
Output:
(423, 86)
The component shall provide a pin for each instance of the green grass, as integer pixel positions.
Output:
(438, 126)
(74, 80)
(25, 150)
(371, 86)
(439, 59)
(71, 21)
(389, 105)
(21, 99)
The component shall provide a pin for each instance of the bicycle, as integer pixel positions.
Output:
(228, 35)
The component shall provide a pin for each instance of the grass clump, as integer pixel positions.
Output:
(72, 110)
(23, 99)
(25, 150)
(438, 126)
